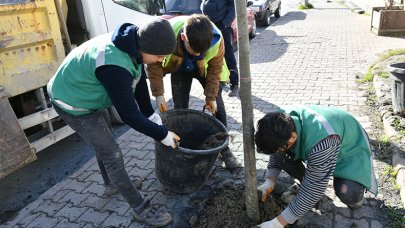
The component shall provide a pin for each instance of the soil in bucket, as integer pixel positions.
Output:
(214, 141)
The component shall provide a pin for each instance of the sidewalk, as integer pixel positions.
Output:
(306, 57)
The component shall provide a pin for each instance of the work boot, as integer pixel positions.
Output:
(234, 91)
(151, 215)
(229, 159)
(291, 193)
(110, 189)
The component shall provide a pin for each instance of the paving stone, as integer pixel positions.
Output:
(117, 206)
(342, 222)
(56, 196)
(75, 198)
(27, 220)
(64, 223)
(44, 220)
(49, 208)
(115, 220)
(95, 189)
(71, 212)
(94, 217)
(95, 202)
(365, 212)
(376, 224)
(77, 186)
(95, 177)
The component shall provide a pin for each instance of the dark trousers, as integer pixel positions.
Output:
(348, 191)
(181, 86)
(95, 129)
(229, 54)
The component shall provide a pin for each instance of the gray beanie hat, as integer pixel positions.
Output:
(157, 38)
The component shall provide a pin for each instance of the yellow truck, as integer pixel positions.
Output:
(35, 36)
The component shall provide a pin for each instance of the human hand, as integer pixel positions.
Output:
(211, 106)
(171, 139)
(161, 103)
(274, 223)
(155, 118)
(266, 188)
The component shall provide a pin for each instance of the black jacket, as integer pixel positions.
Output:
(219, 11)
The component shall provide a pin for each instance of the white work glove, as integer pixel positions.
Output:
(211, 106)
(274, 223)
(161, 103)
(155, 118)
(170, 139)
(266, 188)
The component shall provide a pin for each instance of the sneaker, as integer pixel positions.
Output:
(155, 216)
(234, 91)
(229, 159)
(110, 189)
(289, 195)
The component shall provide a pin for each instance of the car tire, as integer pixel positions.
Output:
(266, 19)
(252, 34)
(277, 12)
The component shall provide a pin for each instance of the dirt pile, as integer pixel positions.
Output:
(227, 209)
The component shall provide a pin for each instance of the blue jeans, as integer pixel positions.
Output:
(95, 129)
(181, 86)
(229, 53)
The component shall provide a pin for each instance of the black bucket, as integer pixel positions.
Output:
(397, 71)
(186, 168)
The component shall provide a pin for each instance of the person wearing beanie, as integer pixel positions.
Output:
(108, 70)
(199, 54)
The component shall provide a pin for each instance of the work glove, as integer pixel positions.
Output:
(155, 118)
(266, 188)
(161, 103)
(171, 139)
(274, 223)
(211, 106)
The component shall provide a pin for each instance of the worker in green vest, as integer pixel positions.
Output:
(330, 141)
(108, 70)
(199, 54)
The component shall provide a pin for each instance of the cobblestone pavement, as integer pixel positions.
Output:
(306, 57)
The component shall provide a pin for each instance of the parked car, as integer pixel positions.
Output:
(264, 9)
(187, 7)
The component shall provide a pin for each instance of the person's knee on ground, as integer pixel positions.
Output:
(349, 192)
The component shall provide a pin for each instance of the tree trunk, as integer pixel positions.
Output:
(252, 207)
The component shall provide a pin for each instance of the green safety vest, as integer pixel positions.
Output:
(177, 24)
(315, 123)
(75, 88)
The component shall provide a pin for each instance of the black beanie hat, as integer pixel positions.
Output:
(157, 38)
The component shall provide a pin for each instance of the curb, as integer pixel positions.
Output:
(398, 154)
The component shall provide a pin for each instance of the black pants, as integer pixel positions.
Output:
(349, 192)
(181, 86)
(95, 129)
(229, 54)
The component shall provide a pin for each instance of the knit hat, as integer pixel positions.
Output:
(157, 38)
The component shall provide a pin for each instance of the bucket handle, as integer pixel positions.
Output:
(204, 110)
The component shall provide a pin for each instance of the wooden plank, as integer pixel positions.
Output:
(52, 138)
(15, 150)
(37, 118)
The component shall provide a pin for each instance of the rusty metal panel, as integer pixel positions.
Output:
(15, 150)
(31, 47)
